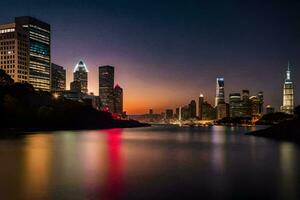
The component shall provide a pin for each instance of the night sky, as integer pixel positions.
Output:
(168, 52)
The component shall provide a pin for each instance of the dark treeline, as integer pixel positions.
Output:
(23, 108)
(285, 130)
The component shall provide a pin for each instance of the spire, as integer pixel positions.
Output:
(81, 64)
(288, 72)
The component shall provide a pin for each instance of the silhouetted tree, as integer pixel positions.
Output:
(5, 79)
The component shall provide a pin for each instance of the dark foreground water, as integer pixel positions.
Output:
(149, 163)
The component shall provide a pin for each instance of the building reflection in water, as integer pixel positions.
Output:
(287, 164)
(37, 166)
(114, 185)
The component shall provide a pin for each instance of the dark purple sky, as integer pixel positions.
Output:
(168, 52)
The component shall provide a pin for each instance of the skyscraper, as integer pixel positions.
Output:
(58, 78)
(200, 106)
(193, 109)
(260, 96)
(222, 110)
(106, 87)
(235, 105)
(220, 93)
(288, 93)
(14, 52)
(80, 74)
(118, 100)
(246, 110)
(39, 51)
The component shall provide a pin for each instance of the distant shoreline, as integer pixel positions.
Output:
(117, 124)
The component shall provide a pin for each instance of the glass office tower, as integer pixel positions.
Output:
(288, 93)
(39, 51)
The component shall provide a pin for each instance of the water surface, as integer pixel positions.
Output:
(149, 163)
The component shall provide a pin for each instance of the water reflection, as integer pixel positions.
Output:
(148, 163)
(287, 165)
(37, 166)
(114, 184)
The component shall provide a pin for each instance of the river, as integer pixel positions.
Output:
(159, 162)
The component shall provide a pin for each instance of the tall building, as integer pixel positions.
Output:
(208, 112)
(169, 114)
(235, 105)
(58, 78)
(270, 109)
(39, 51)
(200, 106)
(255, 105)
(80, 78)
(246, 110)
(14, 52)
(288, 93)
(185, 113)
(222, 110)
(193, 109)
(220, 93)
(106, 87)
(260, 96)
(118, 100)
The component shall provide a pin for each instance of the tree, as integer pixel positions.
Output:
(5, 79)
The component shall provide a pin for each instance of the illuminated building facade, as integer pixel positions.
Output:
(235, 105)
(39, 51)
(58, 78)
(80, 78)
(255, 105)
(288, 93)
(118, 100)
(220, 93)
(14, 52)
(106, 87)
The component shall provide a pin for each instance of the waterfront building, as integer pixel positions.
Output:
(106, 87)
(14, 52)
(118, 100)
(222, 110)
(169, 114)
(176, 115)
(260, 96)
(255, 105)
(270, 109)
(151, 111)
(193, 109)
(208, 111)
(39, 51)
(220, 93)
(185, 113)
(235, 105)
(246, 107)
(200, 106)
(288, 93)
(80, 77)
(58, 78)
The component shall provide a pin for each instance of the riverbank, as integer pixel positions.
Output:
(288, 131)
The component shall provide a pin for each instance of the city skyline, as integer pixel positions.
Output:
(180, 69)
